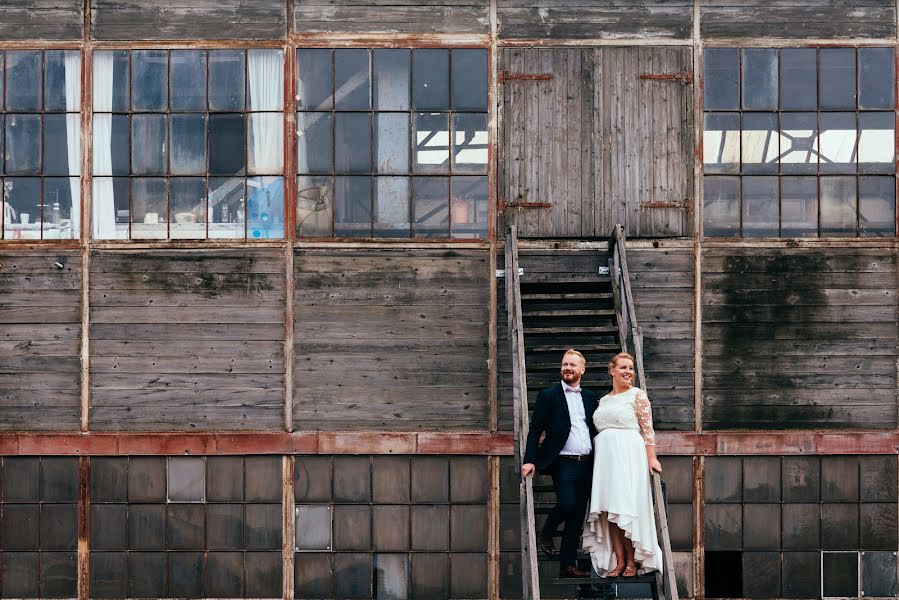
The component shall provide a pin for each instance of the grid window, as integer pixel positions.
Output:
(40, 144)
(392, 143)
(188, 144)
(799, 142)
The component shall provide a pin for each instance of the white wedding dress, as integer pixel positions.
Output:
(621, 490)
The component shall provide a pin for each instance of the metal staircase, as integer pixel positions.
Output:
(550, 309)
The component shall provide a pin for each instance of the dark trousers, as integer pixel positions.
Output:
(571, 481)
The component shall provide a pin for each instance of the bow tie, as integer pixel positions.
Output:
(576, 390)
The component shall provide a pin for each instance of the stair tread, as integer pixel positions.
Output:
(567, 296)
(544, 278)
(570, 330)
(563, 348)
(569, 312)
(648, 578)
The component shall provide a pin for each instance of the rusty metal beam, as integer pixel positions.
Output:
(684, 77)
(504, 76)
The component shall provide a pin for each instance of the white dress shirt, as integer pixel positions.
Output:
(579, 438)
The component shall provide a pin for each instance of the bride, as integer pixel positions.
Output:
(620, 533)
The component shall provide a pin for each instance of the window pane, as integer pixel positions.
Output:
(149, 82)
(148, 152)
(392, 207)
(876, 78)
(430, 79)
(266, 149)
(721, 206)
(721, 78)
(315, 206)
(877, 206)
(187, 210)
(188, 79)
(431, 154)
(226, 80)
(799, 206)
(798, 79)
(265, 211)
(111, 72)
(188, 144)
(352, 80)
(430, 206)
(23, 144)
(315, 80)
(470, 143)
(759, 78)
(720, 143)
(22, 220)
(111, 208)
(352, 210)
(315, 150)
(56, 156)
(62, 80)
(59, 193)
(760, 143)
(837, 142)
(227, 144)
(352, 143)
(836, 86)
(468, 207)
(469, 79)
(798, 136)
(838, 206)
(266, 73)
(760, 207)
(23, 80)
(111, 151)
(392, 142)
(877, 142)
(391, 79)
(149, 208)
(227, 207)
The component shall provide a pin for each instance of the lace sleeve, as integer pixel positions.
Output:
(644, 418)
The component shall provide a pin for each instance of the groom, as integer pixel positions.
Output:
(564, 413)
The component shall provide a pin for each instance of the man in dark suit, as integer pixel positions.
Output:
(564, 416)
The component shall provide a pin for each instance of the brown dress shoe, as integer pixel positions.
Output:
(572, 571)
(547, 546)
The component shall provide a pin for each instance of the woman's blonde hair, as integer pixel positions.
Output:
(617, 357)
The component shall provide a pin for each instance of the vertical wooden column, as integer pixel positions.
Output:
(84, 522)
(287, 527)
(698, 461)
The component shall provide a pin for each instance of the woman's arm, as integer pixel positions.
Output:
(644, 419)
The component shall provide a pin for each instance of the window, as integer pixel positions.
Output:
(40, 145)
(188, 144)
(799, 142)
(392, 143)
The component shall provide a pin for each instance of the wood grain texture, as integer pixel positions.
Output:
(56, 20)
(40, 340)
(393, 339)
(187, 340)
(391, 16)
(799, 338)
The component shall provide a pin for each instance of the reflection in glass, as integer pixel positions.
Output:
(469, 79)
(760, 142)
(838, 206)
(836, 85)
(798, 147)
(837, 142)
(149, 81)
(23, 80)
(227, 144)
(315, 205)
(430, 79)
(266, 143)
(62, 80)
(721, 78)
(59, 204)
(148, 153)
(392, 207)
(315, 150)
(759, 78)
(469, 143)
(352, 206)
(188, 79)
(314, 79)
(721, 206)
(352, 83)
(877, 142)
(187, 207)
(720, 143)
(265, 207)
(876, 78)
(798, 78)
(391, 78)
(111, 151)
(760, 207)
(877, 206)
(227, 207)
(392, 142)
(188, 144)
(468, 207)
(226, 80)
(266, 73)
(22, 218)
(430, 206)
(23, 144)
(186, 479)
(431, 153)
(111, 207)
(110, 72)
(799, 206)
(149, 208)
(352, 142)
(56, 156)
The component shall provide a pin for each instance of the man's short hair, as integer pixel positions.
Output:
(576, 353)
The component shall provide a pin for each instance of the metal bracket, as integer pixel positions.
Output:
(679, 205)
(504, 76)
(502, 272)
(685, 77)
(501, 204)
(603, 270)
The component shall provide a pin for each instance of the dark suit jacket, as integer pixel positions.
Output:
(551, 417)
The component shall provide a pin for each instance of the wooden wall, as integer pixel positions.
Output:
(41, 19)
(596, 141)
(391, 339)
(799, 338)
(186, 340)
(40, 340)
(391, 16)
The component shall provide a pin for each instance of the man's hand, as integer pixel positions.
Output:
(527, 469)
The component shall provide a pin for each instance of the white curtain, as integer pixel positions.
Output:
(73, 133)
(103, 197)
(266, 72)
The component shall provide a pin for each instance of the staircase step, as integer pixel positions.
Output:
(569, 330)
(562, 278)
(568, 296)
(648, 578)
(572, 312)
(581, 347)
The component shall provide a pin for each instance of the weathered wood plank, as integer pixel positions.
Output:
(391, 16)
(41, 20)
(270, 313)
(844, 260)
(817, 19)
(158, 417)
(175, 332)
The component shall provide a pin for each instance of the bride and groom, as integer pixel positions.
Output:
(598, 453)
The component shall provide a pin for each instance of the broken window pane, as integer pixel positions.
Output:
(760, 207)
(760, 143)
(721, 78)
(838, 206)
(720, 143)
(759, 78)
(315, 206)
(721, 206)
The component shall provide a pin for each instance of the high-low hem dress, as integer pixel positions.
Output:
(620, 491)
